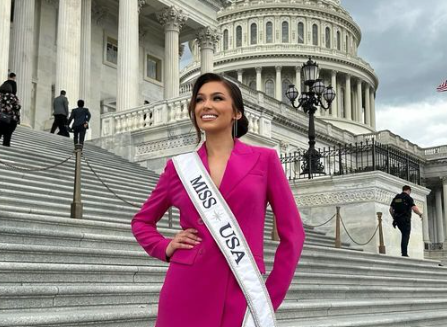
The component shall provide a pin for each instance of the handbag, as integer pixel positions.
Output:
(5, 118)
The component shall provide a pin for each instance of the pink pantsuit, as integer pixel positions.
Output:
(199, 289)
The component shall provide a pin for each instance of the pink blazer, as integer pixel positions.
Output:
(199, 289)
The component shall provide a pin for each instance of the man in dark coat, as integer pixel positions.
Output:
(12, 81)
(60, 113)
(400, 209)
(80, 117)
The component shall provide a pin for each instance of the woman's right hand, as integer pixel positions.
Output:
(185, 239)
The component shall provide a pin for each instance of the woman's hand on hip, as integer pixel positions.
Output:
(185, 239)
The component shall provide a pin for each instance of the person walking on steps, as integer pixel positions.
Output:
(80, 117)
(222, 190)
(400, 209)
(60, 113)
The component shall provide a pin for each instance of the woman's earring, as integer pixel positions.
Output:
(235, 129)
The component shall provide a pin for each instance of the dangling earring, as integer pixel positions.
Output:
(235, 128)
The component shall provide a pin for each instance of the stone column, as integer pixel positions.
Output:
(425, 228)
(22, 54)
(334, 105)
(368, 104)
(240, 73)
(348, 108)
(439, 215)
(86, 41)
(278, 92)
(339, 102)
(172, 19)
(298, 78)
(207, 39)
(5, 29)
(128, 94)
(259, 78)
(68, 49)
(444, 191)
(373, 110)
(359, 115)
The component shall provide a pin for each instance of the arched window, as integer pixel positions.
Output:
(253, 34)
(285, 32)
(270, 88)
(225, 40)
(315, 34)
(338, 41)
(239, 36)
(347, 44)
(252, 85)
(328, 37)
(269, 32)
(301, 33)
(285, 87)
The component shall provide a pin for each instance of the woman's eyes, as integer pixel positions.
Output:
(216, 98)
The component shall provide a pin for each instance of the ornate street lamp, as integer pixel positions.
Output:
(309, 101)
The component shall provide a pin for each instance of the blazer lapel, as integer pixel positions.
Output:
(242, 160)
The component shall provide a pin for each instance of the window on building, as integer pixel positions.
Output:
(239, 36)
(338, 41)
(153, 68)
(225, 40)
(301, 33)
(328, 37)
(285, 86)
(315, 34)
(252, 85)
(285, 32)
(253, 34)
(269, 32)
(111, 51)
(270, 88)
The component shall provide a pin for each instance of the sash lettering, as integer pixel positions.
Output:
(203, 192)
(232, 241)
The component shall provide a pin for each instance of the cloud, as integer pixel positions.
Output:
(423, 123)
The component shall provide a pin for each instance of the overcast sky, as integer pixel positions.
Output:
(405, 42)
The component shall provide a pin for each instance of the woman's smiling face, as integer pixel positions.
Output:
(214, 111)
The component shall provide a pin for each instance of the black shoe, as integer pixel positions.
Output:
(405, 255)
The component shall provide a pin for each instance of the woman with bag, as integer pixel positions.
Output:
(222, 191)
(9, 113)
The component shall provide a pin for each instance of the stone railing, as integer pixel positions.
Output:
(387, 137)
(436, 152)
(147, 116)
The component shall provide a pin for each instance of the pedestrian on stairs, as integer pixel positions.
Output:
(400, 209)
(60, 113)
(80, 117)
(221, 191)
(9, 113)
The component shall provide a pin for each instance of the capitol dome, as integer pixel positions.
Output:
(264, 43)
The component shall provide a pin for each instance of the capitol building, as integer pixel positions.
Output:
(123, 58)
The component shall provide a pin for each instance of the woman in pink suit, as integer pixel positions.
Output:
(200, 289)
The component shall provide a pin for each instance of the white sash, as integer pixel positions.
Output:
(225, 229)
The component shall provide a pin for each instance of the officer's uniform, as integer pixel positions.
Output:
(402, 205)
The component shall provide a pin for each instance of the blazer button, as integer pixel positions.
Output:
(200, 221)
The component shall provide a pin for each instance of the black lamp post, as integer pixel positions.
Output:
(309, 101)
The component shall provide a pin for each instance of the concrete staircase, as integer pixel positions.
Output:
(58, 271)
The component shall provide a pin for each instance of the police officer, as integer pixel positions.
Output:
(400, 210)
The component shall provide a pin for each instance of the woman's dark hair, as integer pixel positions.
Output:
(236, 96)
